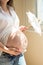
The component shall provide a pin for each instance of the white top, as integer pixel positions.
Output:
(8, 23)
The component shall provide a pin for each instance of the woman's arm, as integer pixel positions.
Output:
(11, 51)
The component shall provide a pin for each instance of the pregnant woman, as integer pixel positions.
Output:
(12, 40)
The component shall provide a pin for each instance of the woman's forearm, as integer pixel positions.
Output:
(4, 48)
(8, 50)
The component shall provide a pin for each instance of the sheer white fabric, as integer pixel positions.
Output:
(8, 24)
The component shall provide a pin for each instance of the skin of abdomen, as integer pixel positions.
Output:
(19, 41)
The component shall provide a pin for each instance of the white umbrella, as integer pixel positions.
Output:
(34, 22)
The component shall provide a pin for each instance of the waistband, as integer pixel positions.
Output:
(9, 55)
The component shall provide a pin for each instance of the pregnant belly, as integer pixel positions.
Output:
(19, 41)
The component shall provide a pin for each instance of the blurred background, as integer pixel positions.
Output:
(34, 54)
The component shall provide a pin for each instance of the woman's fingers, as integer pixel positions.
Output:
(23, 28)
(14, 52)
(17, 53)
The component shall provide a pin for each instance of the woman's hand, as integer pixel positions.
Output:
(23, 28)
(11, 51)
(14, 51)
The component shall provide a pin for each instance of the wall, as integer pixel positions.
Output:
(34, 54)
